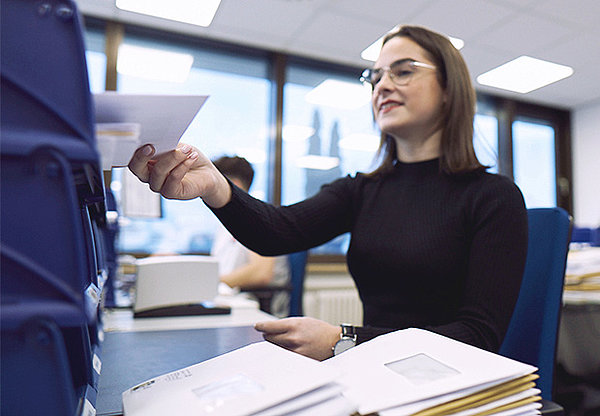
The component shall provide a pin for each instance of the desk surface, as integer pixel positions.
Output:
(135, 350)
(121, 320)
(129, 358)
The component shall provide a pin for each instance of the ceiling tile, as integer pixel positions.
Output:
(524, 33)
(462, 18)
(578, 13)
(494, 31)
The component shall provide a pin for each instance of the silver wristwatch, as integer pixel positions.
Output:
(347, 340)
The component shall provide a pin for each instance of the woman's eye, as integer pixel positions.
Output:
(402, 72)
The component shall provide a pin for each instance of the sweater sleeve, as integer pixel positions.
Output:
(497, 221)
(270, 230)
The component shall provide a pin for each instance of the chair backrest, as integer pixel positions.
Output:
(533, 331)
(297, 263)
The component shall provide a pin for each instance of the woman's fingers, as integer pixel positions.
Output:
(174, 185)
(163, 167)
(279, 326)
(138, 164)
(283, 340)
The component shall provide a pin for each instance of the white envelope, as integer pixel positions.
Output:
(412, 365)
(162, 118)
(241, 382)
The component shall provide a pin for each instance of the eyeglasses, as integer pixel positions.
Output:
(401, 72)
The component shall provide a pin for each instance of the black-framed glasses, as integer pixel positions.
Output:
(400, 72)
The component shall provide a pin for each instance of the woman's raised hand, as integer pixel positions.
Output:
(183, 173)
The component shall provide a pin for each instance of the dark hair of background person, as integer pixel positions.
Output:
(235, 167)
(457, 154)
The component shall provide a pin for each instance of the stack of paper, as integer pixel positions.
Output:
(260, 379)
(117, 142)
(407, 372)
(417, 372)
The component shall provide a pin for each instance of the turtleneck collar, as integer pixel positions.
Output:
(423, 168)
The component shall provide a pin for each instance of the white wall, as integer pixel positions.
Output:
(586, 165)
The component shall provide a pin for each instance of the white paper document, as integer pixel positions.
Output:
(161, 121)
(413, 365)
(402, 373)
(243, 382)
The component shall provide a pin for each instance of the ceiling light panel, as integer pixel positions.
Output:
(524, 74)
(199, 13)
(339, 94)
(317, 162)
(153, 64)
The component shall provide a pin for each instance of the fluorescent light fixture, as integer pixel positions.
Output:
(371, 53)
(458, 43)
(317, 162)
(339, 94)
(252, 155)
(360, 141)
(153, 64)
(296, 133)
(200, 13)
(524, 74)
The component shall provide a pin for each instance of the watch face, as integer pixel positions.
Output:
(343, 345)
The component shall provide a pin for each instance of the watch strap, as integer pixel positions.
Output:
(348, 331)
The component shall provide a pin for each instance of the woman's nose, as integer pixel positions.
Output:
(384, 84)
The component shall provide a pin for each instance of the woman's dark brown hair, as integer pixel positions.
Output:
(456, 154)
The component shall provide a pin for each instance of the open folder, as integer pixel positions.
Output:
(125, 122)
(407, 372)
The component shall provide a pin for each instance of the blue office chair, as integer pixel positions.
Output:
(533, 331)
(295, 287)
(581, 235)
(297, 272)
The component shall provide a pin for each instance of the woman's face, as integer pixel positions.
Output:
(410, 111)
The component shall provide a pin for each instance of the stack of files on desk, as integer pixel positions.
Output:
(407, 372)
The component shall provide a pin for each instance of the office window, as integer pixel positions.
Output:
(534, 165)
(328, 132)
(485, 140)
(325, 136)
(96, 59)
(234, 120)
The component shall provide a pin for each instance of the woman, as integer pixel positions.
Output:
(436, 242)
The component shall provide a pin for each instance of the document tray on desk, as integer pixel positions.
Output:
(191, 309)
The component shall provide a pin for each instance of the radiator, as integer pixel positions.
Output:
(335, 306)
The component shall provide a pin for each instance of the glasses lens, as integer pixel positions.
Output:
(365, 77)
(370, 76)
(402, 71)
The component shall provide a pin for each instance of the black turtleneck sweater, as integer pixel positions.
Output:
(428, 250)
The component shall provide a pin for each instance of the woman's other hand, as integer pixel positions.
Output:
(307, 336)
(183, 173)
